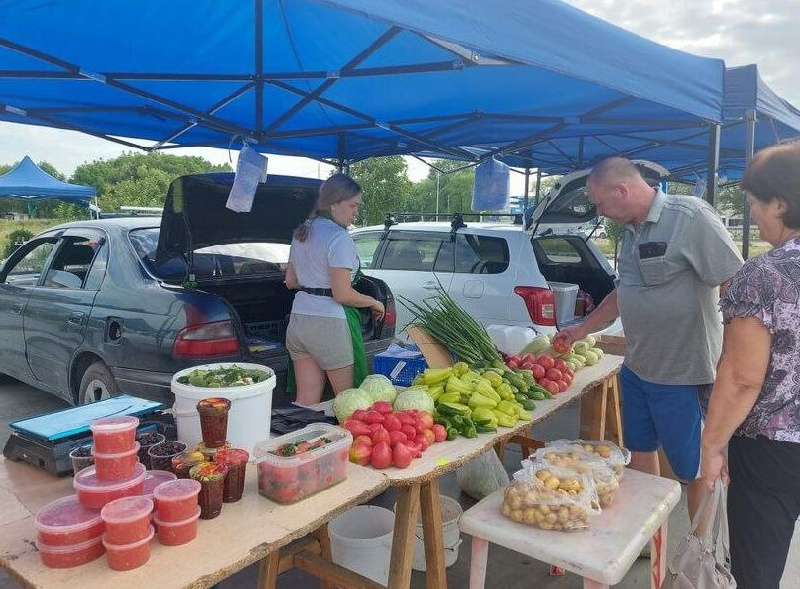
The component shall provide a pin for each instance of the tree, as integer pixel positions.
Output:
(454, 187)
(136, 179)
(615, 231)
(386, 187)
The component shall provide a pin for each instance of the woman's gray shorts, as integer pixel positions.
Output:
(326, 339)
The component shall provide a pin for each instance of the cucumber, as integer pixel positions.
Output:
(453, 409)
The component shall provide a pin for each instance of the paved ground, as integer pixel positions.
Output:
(506, 568)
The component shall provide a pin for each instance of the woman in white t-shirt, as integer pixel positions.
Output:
(324, 322)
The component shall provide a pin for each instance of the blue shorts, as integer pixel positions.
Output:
(656, 415)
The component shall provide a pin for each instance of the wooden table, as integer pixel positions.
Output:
(601, 554)
(249, 531)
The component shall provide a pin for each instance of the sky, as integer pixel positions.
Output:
(739, 31)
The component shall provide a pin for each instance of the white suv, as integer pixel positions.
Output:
(499, 273)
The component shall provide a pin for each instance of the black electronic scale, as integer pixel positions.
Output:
(46, 440)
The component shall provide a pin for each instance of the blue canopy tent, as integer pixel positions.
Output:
(28, 181)
(342, 80)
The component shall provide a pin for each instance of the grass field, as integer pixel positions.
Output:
(35, 226)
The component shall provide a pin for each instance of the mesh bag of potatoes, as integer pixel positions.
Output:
(586, 463)
(550, 498)
(617, 458)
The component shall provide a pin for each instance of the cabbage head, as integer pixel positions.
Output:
(379, 388)
(348, 401)
(418, 399)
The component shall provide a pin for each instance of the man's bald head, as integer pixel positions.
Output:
(615, 169)
(616, 187)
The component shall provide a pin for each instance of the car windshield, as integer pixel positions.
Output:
(212, 262)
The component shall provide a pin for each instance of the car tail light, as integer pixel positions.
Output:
(390, 315)
(206, 340)
(541, 304)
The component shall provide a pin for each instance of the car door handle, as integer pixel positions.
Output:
(76, 319)
(430, 285)
(16, 308)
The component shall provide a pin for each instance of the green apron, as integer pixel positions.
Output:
(360, 371)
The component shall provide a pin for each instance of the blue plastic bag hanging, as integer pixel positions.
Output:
(251, 170)
(491, 191)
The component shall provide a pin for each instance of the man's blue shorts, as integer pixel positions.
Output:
(656, 415)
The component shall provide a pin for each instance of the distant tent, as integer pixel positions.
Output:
(28, 181)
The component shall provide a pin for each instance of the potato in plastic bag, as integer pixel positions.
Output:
(550, 498)
(586, 463)
(616, 457)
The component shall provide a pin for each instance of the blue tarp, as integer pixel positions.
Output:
(27, 180)
(343, 79)
(682, 151)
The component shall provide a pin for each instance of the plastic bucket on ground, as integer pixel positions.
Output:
(451, 513)
(249, 416)
(361, 540)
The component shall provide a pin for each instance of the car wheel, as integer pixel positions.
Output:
(97, 384)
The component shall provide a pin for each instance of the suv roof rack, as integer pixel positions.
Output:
(456, 218)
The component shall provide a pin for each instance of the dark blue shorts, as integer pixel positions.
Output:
(656, 415)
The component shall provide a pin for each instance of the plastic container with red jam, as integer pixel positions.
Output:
(153, 478)
(176, 501)
(125, 557)
(236, 461)
(181, 463)
(161, 455)
(64, 557)
(212, 480)
(94, 493)
(116, 467)
(127, 520)
(65, 522)
(297, 465)
(177, 533)
(214, 420)
(114, 435)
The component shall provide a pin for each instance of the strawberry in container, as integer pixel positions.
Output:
(297, 465)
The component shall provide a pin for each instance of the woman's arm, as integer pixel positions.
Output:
(740, 376)
(345, 294)
(291, 278)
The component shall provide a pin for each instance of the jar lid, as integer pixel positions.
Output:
(66, 515)
(187, 459)
(232, 457)
(153, 478)
(127, 509)
(86, 480)
(118, 423)
(177, 490)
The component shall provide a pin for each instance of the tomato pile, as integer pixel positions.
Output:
(384, 437)
(552, 374)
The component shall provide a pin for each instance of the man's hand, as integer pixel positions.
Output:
(568, 336)
(714, 465)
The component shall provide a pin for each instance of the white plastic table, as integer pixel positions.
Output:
(603, 553)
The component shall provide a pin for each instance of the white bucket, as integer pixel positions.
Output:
(250, 412)
(451, 513)
(361, 540)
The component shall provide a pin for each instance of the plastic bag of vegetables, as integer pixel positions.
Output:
(482, 476)
(583, 462)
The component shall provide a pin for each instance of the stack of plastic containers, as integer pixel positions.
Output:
(177, 511)
(69, 534)
(128, 532)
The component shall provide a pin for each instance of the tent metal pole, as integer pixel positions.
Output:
(749, 149)
(538, 183)
(713, 164)
(581, 146)
(527, 189)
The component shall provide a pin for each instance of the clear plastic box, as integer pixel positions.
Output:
(287, 479)
(566, 294)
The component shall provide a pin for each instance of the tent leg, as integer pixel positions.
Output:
(538, 184)
(750, 148)
(713, 164)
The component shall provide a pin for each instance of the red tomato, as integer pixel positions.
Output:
(381, 455)
(538, 371)
(528, 359)
(380, 435)
(439, 432)
(543, 382)
(373, 427)
(357, 428)
(562, 386)
(430, 436)
(409, 430)
(405, 418)
(553, 374)
(426, 419)
(373, 416)
(359, 414)
(569, 372)
(512, 363)
(363, 440)
(397, 437)
(401, 456)
(384, 407)
(286, 493)
(544, 360)
(528, 365)
(392, 424)
(287, 474)
(416, 449)
(360, 454)
(560, 364)
(551, 387)
(560, 345)
(422, 441)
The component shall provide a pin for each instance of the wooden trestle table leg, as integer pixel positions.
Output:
(431, 503)
(405, 525)
(268, 570)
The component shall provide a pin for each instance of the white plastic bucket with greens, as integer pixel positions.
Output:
(249, 415)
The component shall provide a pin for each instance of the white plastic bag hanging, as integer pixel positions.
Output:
(251, 170)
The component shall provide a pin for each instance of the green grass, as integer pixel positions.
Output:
(35, 226)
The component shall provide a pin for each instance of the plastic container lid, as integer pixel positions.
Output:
(177, 490)
(154, 478)
(232, 457)
(119, 423)
(86, 480)
(134, 450)
(132, 545)
(65, 515)
(127, 509)
(339, 438)
(70, 549)
(183, 522)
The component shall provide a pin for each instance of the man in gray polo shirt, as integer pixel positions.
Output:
(674, 257)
